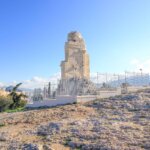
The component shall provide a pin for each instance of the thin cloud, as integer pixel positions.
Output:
(35, 82)
(141, 64)
(1, 84)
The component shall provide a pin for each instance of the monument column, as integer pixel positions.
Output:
(76, 63)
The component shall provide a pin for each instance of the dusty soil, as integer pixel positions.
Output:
(117, 123)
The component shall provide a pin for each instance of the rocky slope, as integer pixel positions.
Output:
(117, 123)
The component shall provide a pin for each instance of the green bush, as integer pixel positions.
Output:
(5, 102)
(17, 98)
(2, 125)
(22, 103)
(14, 101)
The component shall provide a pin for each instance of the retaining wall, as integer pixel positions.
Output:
(67, 99)
(136, 88)
(49, 103)
(109, 93)
(85, 98)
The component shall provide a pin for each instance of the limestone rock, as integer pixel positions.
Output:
(47, 147)
(30, 147)
(50, 129)
(3, 136)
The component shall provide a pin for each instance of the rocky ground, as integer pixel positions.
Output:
(117, 123)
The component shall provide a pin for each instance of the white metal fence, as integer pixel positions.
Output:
(116, 80)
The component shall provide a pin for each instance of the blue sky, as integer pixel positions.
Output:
(33, 33)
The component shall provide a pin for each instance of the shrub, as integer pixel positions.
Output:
(5, 102)
(17, 98)
(2, 125)
(22, 103)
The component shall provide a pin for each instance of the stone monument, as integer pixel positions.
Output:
(76, 63)
(75, 71)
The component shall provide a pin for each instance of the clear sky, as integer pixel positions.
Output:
(33, 33)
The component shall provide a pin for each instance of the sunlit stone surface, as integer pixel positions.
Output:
(76, 63)
(75, 71)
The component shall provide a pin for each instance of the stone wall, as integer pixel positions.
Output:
(109, 93)
(136, 88)
(67, 99)
(50, 103)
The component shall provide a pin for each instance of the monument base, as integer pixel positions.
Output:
(76, 86)
(77, 99)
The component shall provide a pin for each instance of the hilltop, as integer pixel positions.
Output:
(116, 123)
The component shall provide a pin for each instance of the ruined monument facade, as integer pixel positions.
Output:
(75, 71)
(76, 63)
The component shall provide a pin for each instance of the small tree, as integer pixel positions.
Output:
(17, 97)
